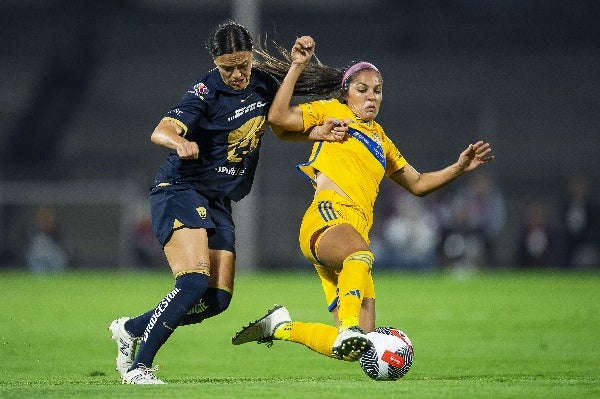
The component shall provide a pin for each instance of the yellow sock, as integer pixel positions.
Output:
(316, 336)
(283, 332)
(351, 285)
(348, 321)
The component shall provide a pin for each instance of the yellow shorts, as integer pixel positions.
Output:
(330, 209)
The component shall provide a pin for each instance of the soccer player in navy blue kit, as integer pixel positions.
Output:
(215, 135)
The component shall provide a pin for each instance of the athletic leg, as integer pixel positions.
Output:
(188, 255)
(344, 250)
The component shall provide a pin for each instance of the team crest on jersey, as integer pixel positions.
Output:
(201, 211)
(245, 139)
(199, 90)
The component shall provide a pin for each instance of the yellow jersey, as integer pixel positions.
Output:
(359, 163)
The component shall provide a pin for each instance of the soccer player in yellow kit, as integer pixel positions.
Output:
(334, 234)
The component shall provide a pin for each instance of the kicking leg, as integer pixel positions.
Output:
(188, 255)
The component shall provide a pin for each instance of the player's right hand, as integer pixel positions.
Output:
(188, 150)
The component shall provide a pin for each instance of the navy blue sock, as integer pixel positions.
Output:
(213, 302)
(137, 325)
(167, 315)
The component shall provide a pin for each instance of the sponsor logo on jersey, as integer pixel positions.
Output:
(233, 171)
(201, 211)
(250, 107)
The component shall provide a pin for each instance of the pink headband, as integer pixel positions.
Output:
(357, 67)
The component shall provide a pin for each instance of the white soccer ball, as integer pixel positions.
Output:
(390, 355)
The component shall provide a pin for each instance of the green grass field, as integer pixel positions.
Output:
(507, 335)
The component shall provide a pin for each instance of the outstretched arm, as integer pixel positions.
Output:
(331, 130)
(421, 184)
(281, 114)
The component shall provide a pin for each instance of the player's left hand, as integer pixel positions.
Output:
(474, 156)
(332, 130)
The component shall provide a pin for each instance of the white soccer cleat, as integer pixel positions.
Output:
(126, 345)
(142, 375)
(350, 344)
(262, 330)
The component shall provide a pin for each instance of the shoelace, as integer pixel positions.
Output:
(147, 372)
(269, 340)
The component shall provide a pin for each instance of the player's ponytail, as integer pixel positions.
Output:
(317, 79)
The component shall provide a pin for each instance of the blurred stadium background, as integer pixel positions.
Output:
(84, 83)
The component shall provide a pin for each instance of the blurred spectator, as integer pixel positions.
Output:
(537, 243)
(580, 221)
(479, 212)
(45, 252)
(463, 246)
(410, 235)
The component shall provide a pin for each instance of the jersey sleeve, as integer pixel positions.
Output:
(190, 108)
(394, 159)
(313, 113)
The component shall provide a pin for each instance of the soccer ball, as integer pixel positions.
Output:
(390, 355)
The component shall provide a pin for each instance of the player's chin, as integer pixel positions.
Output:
(238, 84)
(370, 114)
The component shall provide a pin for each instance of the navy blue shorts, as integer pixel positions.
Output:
(174, 206)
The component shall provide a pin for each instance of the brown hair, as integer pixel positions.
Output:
(317, 79)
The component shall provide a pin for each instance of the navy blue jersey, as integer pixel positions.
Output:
(228, 125)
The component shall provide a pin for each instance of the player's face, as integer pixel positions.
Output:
(365, 93)
(235, 68)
